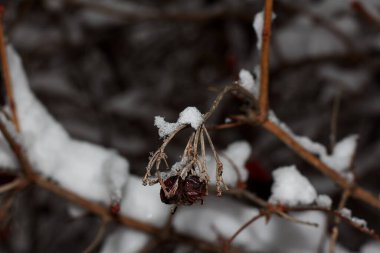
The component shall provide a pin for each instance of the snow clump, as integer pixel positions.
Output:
(291, 188)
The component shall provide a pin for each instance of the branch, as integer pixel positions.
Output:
(357, 191)
(264, 67)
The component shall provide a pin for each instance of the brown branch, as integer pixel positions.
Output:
(264, 66)
(357, 192)
(6, 75)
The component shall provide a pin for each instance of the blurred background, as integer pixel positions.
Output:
(104, 69)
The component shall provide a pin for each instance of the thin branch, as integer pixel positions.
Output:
(264, 66)
(17, 183)
(244, 226)
(6, 75)
(98, 237)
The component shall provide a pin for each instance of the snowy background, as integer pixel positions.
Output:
(105, 69)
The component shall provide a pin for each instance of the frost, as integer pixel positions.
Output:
(247, 81)
(236, 155)
(291, 188)
(189, 115)
(258, 26)
(324, 201)
(340, 159)
(89, 170)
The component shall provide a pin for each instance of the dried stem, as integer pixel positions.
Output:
(337, 220)
(264, 67)
(6, 75)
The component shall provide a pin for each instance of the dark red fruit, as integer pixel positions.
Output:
(183, 192)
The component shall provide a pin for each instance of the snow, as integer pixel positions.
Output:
(323, 201)
(291, 188)
(371, 247)
(125, 241)
(341, 157)
(345, 212)
(89, 170)
(143, 203)
(258, 26)
(237, 152)
(359, 222)
(189, 116)
(224, 216)
(247, 81)
(164, 128)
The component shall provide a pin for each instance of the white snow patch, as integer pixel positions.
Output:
(291, 188)
(89, 170)
(258, 26)
(359, 222)
(143, 203)
(323, 201)
(125, 241)
(190, 115)
(247, 81)
(237, 153)
(345, 212)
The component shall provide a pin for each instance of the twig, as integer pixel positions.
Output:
(17, 183)
(264, 66)
(337, 220)
(98, 237)
(244, 226)
(6, 75)
(334, 121)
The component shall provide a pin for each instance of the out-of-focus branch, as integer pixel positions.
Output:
(130, 12)
(365, 13)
